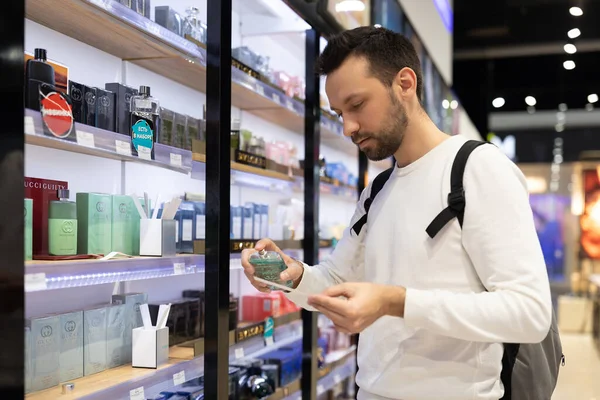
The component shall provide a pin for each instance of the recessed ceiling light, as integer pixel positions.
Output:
(350, 5)
(498, 102)
(569, 65)
(570, 48)
(445, 104)
(454, 104)
(592, 98)
(573, 33)
(530, 100)
(576, 11)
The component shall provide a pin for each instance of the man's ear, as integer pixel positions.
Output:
(405, 83)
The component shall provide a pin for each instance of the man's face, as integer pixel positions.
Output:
(373, 116)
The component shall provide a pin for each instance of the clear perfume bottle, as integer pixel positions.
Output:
(193, 26)
(269, 265)
(144, 122)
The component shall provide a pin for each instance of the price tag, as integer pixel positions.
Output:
(85, 139)
(239, 353)
(35, 282)
(29, 126)
(260, 89)
(320, 389)
(276, 98)
(269, 341)
(123, 148)
(179, 268)
(144, 152)
(337, 379)
(179, 378)
(137, 394)
(176, 159)
(289, 104)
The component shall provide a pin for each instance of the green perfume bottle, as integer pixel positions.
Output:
(62, 226)
(268, 265)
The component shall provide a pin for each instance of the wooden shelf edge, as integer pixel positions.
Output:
(248, 169)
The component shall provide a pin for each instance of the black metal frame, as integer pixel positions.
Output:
(312, 141)
(218, 171)
(12, 39)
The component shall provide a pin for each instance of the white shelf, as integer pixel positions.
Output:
(113, 28)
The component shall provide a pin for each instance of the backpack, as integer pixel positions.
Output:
(529, 371)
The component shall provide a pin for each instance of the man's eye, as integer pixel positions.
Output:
(357, 105)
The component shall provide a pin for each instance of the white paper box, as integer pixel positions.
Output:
(150, 347)
(157, 237)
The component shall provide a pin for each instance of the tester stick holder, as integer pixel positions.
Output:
(157, 237)
(150, 347)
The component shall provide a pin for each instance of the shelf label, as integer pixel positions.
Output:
(320, 389)
(35, 282)
(290, 105)
(176, 159)
(179, 268)
(239, 353)
(137, 394)
(144, 152)
(260, 89)
(337, 378)
(179, 378)
(276, 98)
(123, 148)
(29, 126)
(85, 139)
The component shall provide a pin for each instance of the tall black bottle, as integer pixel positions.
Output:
(37, 72)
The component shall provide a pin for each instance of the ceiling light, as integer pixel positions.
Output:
(576, 11)
(563, 107)
(559, 127)
(569, 65)
(573, 33)
(445, 104)
(377, 26)
(498, 102)
(350, 5)
(570, 48)
(592, 98)
(530, 100)
(454, 104)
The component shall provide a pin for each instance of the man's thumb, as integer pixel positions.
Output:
(293, 271)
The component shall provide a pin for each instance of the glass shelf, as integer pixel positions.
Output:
(49, 275)
(117, 30)
(101, 143)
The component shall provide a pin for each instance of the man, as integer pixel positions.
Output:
(428, 327)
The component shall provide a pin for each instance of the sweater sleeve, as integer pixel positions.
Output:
(500, 237)
(344, 264)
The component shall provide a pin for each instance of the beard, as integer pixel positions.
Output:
(389, 139)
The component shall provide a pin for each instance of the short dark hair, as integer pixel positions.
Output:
(387, 52)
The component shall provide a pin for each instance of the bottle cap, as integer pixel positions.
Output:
(62, 193)
(68, 387)
(40, 54)
(145, 90)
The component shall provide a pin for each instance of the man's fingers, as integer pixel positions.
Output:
(266, 244)
(293, 271)
(338, 290)
(332, 304)
(337, 319)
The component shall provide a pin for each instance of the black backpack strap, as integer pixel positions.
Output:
(456, 197)
(378, 184)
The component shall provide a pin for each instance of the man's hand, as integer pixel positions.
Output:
(364, 304)
(293, 272)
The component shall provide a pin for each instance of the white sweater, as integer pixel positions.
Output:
(448, 345)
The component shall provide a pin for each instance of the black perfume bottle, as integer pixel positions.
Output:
(253, 383)
(37, 72)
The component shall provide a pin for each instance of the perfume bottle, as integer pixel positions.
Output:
(193, 27)
(144, 121)
(62, 225)
(269, 265)
(253, 383)
(37, 72)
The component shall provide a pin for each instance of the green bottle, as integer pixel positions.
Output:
(62, 226)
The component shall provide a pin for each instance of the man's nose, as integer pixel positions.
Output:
(350, 127)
